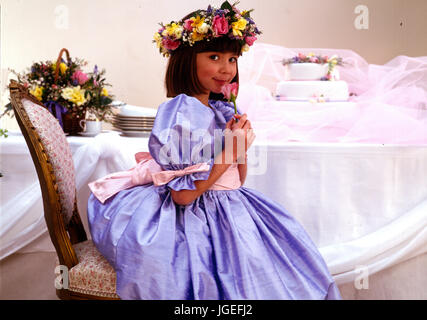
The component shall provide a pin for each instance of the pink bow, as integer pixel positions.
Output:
(146, 171)
(163, 177)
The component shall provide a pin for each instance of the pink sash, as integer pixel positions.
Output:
(148, 171)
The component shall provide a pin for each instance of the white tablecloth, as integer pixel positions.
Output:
(365, 206)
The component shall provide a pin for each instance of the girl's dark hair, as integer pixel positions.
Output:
(181, 72)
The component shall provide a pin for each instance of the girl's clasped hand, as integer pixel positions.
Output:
(242, 130)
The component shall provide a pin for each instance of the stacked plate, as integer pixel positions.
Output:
(134, 121)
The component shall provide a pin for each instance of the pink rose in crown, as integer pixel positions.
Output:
(219, 25)
(250, 40)
(80, 77)
(188, 25)
(170, 44)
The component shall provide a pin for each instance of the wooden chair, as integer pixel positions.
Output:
(90, 276)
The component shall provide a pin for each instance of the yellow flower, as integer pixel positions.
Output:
(104, 92)
(197, 21)
(174, 30)
(62, 67)
(245, 47)
(311, 54)
(74, 94)
(238, 26)
(158, 39)
(37, 92)
(195, 36)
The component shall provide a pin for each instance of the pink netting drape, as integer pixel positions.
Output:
(389, 105)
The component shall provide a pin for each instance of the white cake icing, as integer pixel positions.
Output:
(303, 83)
(306, 90)
(305, 71)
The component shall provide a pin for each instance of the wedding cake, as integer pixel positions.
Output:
(311, 78)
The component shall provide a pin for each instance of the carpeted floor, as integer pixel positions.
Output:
(30, 276)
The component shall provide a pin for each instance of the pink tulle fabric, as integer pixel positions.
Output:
(389, 104)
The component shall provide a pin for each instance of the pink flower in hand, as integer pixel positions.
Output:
(80, 77)
(219, 25)
(230, 90)
(230, 93)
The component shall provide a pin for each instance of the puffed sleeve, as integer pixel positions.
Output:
(183, 136)
(226, 108)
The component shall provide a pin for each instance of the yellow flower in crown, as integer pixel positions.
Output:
(158, 39)
(174, 30)
(74, 94)
(195, 36)
(37, 92)
(104, 92)
(199, 25)
(239, 26)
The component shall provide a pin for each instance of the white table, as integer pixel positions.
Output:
(363, 205)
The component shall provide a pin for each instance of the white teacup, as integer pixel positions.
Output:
(90, 126)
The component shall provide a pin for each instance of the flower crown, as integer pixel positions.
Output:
(207, 25)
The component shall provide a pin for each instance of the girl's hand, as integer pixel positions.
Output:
(243, 131)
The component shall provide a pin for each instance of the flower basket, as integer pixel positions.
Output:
(67, 91)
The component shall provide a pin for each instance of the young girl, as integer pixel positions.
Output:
(180, 225)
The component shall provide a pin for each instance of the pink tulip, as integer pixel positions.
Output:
(230, 93)
(80, 77)
(230, 90)
(219, 25)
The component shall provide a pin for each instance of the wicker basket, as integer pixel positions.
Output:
(71, 123)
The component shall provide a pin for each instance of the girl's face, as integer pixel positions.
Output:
(215, 69)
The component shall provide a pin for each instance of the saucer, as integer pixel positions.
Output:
(88, 134)
(135, 134)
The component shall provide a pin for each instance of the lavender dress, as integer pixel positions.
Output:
(227, 244)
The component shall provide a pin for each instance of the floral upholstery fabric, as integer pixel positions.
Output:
(59, 152)
(93, 275)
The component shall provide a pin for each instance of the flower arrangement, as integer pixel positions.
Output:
(71, 91)
(312, 58)
(205, 25)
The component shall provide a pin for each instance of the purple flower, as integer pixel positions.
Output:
(95, 70)
(209, 10)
